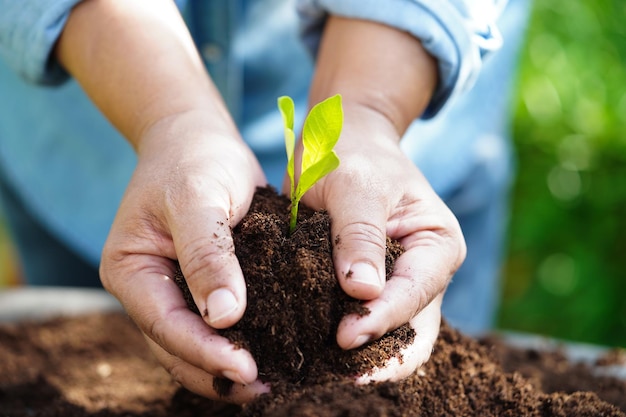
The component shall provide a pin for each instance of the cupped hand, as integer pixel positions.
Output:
(190, 186)
(377, 192)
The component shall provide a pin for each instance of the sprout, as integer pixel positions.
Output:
(320, 133)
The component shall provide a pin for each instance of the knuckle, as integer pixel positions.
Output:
(363, 234)
(211, 257)
(446, 233)
(193, 188)
(184, 188)
(108, 269)
(461, 253)
(422, 295)
(104, 277)
(419, 292)
(458, 246)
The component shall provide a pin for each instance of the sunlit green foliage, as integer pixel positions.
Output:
(565, 273)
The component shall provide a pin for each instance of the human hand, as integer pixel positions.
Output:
(191, 185)
(194, 181)
(386, 79)
(377, 192)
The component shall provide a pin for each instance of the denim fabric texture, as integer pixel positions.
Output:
(67, 167)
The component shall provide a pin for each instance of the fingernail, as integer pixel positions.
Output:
(360, 341)
(220, 304)
(365, 274)
(234, 376)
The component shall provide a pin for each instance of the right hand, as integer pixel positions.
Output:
(190, 187)
(194, 180)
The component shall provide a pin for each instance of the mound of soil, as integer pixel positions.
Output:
(294, 300)
(99, 364)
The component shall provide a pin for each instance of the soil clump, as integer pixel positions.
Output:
(295, 303)
(99, 364)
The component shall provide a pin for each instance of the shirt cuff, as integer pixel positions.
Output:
(29, 30)
(459, 34)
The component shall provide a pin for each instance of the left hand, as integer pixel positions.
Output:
(387, 79)
(377, 192)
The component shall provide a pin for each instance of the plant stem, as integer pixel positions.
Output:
(294, 216)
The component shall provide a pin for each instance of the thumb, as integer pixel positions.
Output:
(359, 247)
(206, 254)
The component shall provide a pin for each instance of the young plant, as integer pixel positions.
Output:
(320, 133)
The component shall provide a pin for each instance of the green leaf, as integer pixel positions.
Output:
(315, 172)
(321, 131)
(287, 110)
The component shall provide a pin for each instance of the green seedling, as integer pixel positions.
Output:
(320, 133)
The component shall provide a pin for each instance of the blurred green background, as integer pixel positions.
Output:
(563, 274)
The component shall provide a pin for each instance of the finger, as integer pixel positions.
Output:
(206, 253)
(420, 274)
(201, 382)
(426, 325)
(359, 244)
(155, 303)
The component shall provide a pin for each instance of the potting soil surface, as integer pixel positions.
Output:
(99, 364)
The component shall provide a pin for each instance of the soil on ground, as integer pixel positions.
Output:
(99, 364)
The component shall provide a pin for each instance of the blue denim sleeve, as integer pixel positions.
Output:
(28, 32)
(458, 33)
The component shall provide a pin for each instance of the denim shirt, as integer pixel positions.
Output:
(71, 166)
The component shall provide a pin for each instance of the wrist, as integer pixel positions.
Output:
(377, 67)
(190, 153)
(191, 129)
(138, 64)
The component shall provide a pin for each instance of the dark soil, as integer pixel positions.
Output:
(99, 364)
(552, 371)
(294, 301)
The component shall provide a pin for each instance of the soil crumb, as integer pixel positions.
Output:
(99, 364)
